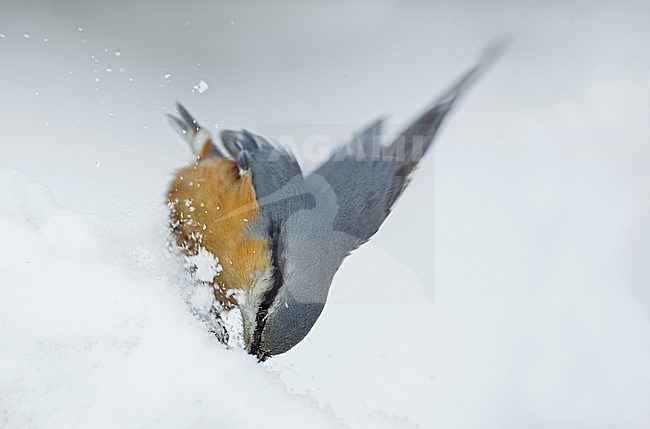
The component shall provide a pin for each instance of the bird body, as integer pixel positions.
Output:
(280, 235)
(210, 206)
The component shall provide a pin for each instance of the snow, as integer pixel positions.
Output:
(200, 87)
(508, 288)
(95, 333)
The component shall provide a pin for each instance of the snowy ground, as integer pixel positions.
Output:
(510, 287)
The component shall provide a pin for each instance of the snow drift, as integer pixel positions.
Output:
(95, 332)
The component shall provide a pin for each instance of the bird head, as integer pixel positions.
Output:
(279, 315)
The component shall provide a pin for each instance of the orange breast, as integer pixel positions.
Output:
(211, 205)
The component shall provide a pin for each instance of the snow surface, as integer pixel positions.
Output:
(508, 289)
(95, 332)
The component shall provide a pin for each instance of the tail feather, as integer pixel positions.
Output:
(199, 139)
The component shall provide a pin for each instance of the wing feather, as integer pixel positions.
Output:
(368, 177)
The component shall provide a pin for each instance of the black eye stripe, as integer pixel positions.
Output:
(271, 294)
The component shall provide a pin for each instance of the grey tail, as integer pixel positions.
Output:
(199, 139)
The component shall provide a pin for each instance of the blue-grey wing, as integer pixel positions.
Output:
(276, 175)
(277, 178)
(366, 177)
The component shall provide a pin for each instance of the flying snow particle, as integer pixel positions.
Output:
(200, 87)
(206, 265)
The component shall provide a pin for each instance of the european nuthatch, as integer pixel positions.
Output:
(279, 235)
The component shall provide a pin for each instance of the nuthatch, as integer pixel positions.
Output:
(279, 235)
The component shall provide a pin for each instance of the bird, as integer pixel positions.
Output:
(280, 234)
